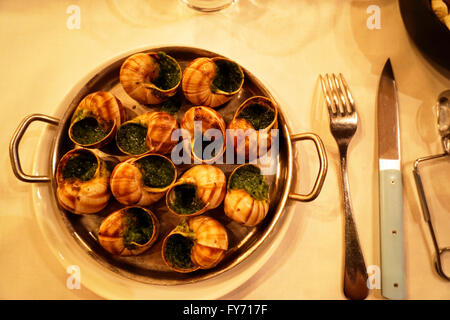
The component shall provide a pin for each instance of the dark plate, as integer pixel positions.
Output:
(430, 35)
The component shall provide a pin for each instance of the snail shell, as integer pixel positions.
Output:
(128, 183)
(159, 127)
(100, 114)
(209, 183)
(113, 237)
(246, 138)
(241, 206)
(208, 119)
(209, 243)
(212, 81)
(150, 78)
(88, 193)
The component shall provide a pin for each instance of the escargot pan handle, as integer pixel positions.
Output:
(323, 167)
(14, 147)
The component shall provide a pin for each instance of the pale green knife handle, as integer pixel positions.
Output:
(391, 233)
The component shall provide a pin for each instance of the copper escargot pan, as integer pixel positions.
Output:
(149, 266)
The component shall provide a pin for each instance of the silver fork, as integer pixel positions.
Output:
(343, 124)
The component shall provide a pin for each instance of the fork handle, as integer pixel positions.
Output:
(355, 272)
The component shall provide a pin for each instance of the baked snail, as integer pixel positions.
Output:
(82, 182)
(128, 231)
(199, 243)
(96, 119)
(150, 78)
(205, 124)
(247, 197)
(142, 181)
(150, 132)
(212, 81)
(441, 10)
(251, 127)
(199, 189)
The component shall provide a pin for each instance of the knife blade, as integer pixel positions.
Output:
(390, 188)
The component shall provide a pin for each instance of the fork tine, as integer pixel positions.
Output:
(351, 101)
(326, 93)
(334, 94)
(340, 93)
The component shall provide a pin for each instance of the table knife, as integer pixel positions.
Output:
(390, 188)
